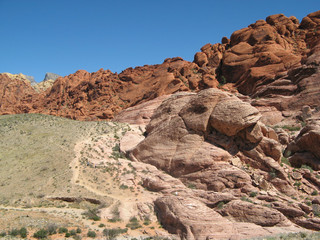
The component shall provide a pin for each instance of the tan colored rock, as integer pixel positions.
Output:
(296, 176)
(192, 219)
(197, 112)
(308, 139)
(130, 140)
(141, 113)
(232, 115)
(246, 211)
(289, 211)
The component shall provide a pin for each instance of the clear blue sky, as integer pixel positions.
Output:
(63, 36)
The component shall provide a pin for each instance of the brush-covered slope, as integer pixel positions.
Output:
(57, 172)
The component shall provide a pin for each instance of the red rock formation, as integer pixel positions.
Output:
(16, 96)
(275, 60)
(99, 95)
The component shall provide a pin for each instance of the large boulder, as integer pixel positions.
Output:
(249, 212)
(305, 147)
(193, 220)
(196, 137)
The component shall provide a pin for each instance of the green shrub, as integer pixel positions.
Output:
(133, 224)
(285, 161)
(78, 230)
(67, 234)
(91, 234)
(314, 193)
(122, 186)
(307, 167)
(272, 174)
(146, 221)
(101, 225)
(92, 214)
(3, 234)
(243, 198)
(291, 128)
(222, 80)
(14, 232)
(253, 194)
(42, 233)
(73, 232)
(63, 230)
(113, 232)
(220, 205)
(297, 183)
(191, 186)
(23, 232)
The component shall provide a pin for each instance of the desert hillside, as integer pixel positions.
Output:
(225, 147)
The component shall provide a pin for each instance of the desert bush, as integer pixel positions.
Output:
(122, 186)
(63, 230)
(220, 205)
(243, 198)
(272, 174)
(113, 232)
(285, 161)
(133, 224)
(253, 194)
(307, 167)
(92, 213)
(52, 229)
(14, 232)
(91, 234)
(23, 232)
(42, 233)
(146, 221)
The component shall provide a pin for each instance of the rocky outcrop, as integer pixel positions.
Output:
(51, 76)
(305, 147)
(275, 61)
(16, 95)
(191, 219)
(196, 137)
(100, 95)
(224, 163)
(249, 212)
(21, 77)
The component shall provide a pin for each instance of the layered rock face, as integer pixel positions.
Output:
(217, 146)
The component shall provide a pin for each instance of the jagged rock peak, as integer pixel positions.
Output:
(51, 76)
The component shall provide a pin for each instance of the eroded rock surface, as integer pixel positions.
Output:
(223, 167)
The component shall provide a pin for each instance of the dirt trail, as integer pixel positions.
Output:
(76, 166)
